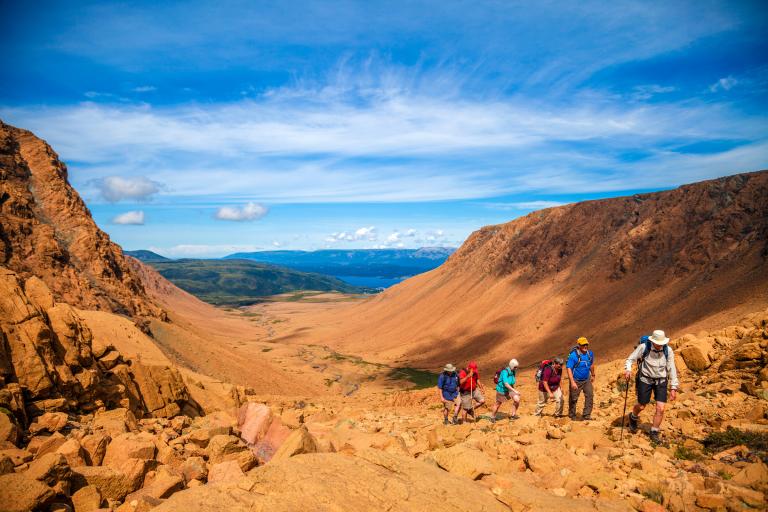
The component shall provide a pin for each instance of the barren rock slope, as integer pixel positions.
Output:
(611, 269)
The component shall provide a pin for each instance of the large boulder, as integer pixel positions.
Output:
(9, 431)
(225, 472)
(221, 446)
(300, 441)
(374, 480)
(115, 421)
(51, 469)
(95, 447)
(87, 499)
(19, 493)
(73, 452)
(698, 354)
(112, 483)
(129, 446)
(162, 388)
(253, 420)
(50, 422)
(464, 461)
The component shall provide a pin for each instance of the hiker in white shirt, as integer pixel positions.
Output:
(655, 373)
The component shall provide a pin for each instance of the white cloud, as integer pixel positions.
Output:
(644, 92)
(725, 84)
(118, 188)
(410, 233)
(365, 233)
(202, 250)
(251, 211)
(393, 238)
(135, 218)
(144, 88)
(523, 205)
(383, 135)
(275, 243)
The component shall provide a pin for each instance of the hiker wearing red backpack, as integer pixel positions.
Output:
(581, 373)
(655, 371)
(505, 380)
(548, 376)
(470, 390)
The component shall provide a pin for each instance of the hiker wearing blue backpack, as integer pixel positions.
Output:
(448, 384)
(581, 373)
(505, 380)
(655, 372)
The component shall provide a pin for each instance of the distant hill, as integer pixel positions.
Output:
(146, 256)
(241, 282)
(384, 263)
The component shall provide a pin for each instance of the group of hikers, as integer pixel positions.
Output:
(462, 391)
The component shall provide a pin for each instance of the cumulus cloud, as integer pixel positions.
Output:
(364, 233)
(393, 238)
(134, 218)
(118, 188)
(249, 212)
(410, 233)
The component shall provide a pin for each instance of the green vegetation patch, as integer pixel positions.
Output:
(719, 441)
(683, 453)
(421, 379)
(243, 282)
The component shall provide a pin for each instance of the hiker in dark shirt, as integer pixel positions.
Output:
(549, 387)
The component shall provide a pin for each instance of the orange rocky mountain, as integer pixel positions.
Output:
(47, 231)
(612, 270)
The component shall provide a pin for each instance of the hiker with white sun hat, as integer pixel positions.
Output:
(448, 386)
(656, 372)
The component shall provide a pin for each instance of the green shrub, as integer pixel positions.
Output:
(719, 441)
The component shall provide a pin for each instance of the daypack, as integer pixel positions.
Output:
(497, 375)
(540, 371)
(590, 355)
(448, 383)
(645, 340)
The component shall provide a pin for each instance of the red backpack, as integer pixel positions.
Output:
(540, 371)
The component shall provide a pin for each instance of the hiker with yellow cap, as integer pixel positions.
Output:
(581, 374)
(448, 386)
(655, 372)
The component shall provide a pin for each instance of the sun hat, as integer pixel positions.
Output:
(449, 368)
(583, 341)
(659, 338)
(473, 365)
(513, 364)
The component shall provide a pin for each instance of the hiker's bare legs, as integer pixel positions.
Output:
(495, 409)
(637, 409)
(515, 404)
(659, 416)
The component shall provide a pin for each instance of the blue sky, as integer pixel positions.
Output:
(204, 128)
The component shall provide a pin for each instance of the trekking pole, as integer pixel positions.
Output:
(624, 414)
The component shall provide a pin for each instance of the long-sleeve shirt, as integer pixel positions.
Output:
(655, 366)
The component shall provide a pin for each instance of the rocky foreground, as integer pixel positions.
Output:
(91, 431)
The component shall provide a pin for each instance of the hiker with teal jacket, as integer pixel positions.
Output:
(505, 391)
(581, 373)
(448, 386)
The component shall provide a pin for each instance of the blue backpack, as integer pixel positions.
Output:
(590, 356)
(448, 382)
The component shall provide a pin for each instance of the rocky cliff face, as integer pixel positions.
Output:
(47, 231)
(49, 362)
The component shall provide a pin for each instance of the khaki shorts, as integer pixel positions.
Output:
(466, 399)
(450, 405)
(501, 397)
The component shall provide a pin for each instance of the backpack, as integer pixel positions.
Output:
(590, 355)
(497, 376)
(645, 340)
(450, 383)
(540, 371)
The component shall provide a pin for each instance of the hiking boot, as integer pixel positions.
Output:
(455, 420)
(586, 418)
(633, 423)
(492, 420)
(655, 436)
(515, 417)
(445, 421)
